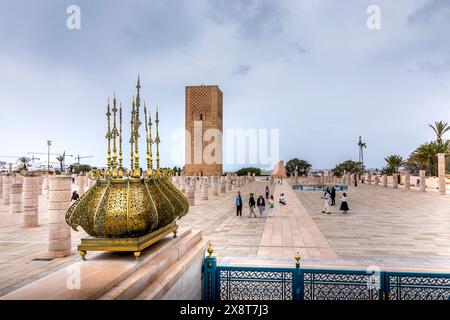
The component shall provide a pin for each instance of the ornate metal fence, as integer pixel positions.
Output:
(256, 283)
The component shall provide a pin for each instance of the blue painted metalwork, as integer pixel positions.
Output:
(257, 283)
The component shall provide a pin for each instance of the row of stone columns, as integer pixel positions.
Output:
(218, 185)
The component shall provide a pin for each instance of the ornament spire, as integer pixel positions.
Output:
(157, 141)
(120, 142)
(108, 138)
(114, 136)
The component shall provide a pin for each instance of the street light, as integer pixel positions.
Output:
(49, 143)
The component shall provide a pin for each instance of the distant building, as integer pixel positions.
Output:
(204, 131)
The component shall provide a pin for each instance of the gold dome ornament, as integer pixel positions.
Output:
(128, 210)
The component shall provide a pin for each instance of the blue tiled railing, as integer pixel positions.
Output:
(257, 283)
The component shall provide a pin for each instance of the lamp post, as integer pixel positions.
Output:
(49, 143)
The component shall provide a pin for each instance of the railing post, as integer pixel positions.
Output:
(297, 281)
(384, 285)
(209, 275)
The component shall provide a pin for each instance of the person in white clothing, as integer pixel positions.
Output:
(327, 200)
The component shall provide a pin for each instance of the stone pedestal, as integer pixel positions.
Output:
(190, 193)
(441, 173)
(369, 177)
(222, 185)
(407, 180)
(41, 182)
(59, 236)
(385, 180)
(229, 185)
(395, 180)
(15, 197)
(30, 201)
(1, 186)
(215, 186)
(204, 191)
(423, 182)
(377, 180)
(81, 185)
(7, 179)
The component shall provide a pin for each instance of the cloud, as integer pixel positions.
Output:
(252, 18)
(242, 69)
(431, 11)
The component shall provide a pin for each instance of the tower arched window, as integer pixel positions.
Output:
(201, 116)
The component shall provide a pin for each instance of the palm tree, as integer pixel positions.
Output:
(426, 155)
(394, 162)
(61, 159)
(361, 146)
(24, 161)
(439, 127)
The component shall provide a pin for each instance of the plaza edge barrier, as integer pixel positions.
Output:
(266, 283)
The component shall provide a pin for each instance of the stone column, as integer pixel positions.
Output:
(15, 197)
(369, 177)
(204, 195)
(215, 186)
(229, 184)
(41, 181)
(59, 237)
(407, 180)
(395, 180)
(30, 201)
(254, 176)
(422, 177)
(222, 185)
(1, 186)
(385, 180)
(322, 178)
(7, 179)
(441, 173)
(296, 177)
(81, 184)
(377, 180)
(190, 192)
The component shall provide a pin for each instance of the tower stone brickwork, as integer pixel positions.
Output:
(204, 130)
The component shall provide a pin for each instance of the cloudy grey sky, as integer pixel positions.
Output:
(310, 68)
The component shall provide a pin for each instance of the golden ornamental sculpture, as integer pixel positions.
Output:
(128, 209)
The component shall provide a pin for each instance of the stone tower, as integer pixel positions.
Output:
(204, 130)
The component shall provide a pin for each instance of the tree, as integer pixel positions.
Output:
(24, 162)
(245, 171)
(394, 163)
(349, 166)
(61, 159)
(362, 145)
(426, 155)
(296, 165)
(439, 127)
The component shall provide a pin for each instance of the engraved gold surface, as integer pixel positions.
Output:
(127, 207)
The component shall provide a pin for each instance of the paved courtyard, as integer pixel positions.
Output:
(384, 226)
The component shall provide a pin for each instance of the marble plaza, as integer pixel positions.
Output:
(397, 229)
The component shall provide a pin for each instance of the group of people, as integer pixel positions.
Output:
(259, 203)
(329, 197)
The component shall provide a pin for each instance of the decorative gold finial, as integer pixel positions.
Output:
(108, 138)
(297, 258)
(120, 142)
(157, 141)
(150, 142)
(137, 124)
(133, 111)
(146, 138)
(210, 250)
(114, 135)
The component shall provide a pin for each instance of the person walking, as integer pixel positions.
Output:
(333, 196)
(327, 201)
(238, 204)
(267, 191)
(282, 199)
(344, 204)
(261, 205)
(356, 180)
(75, 196)
(252, 205)
(271, 205)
